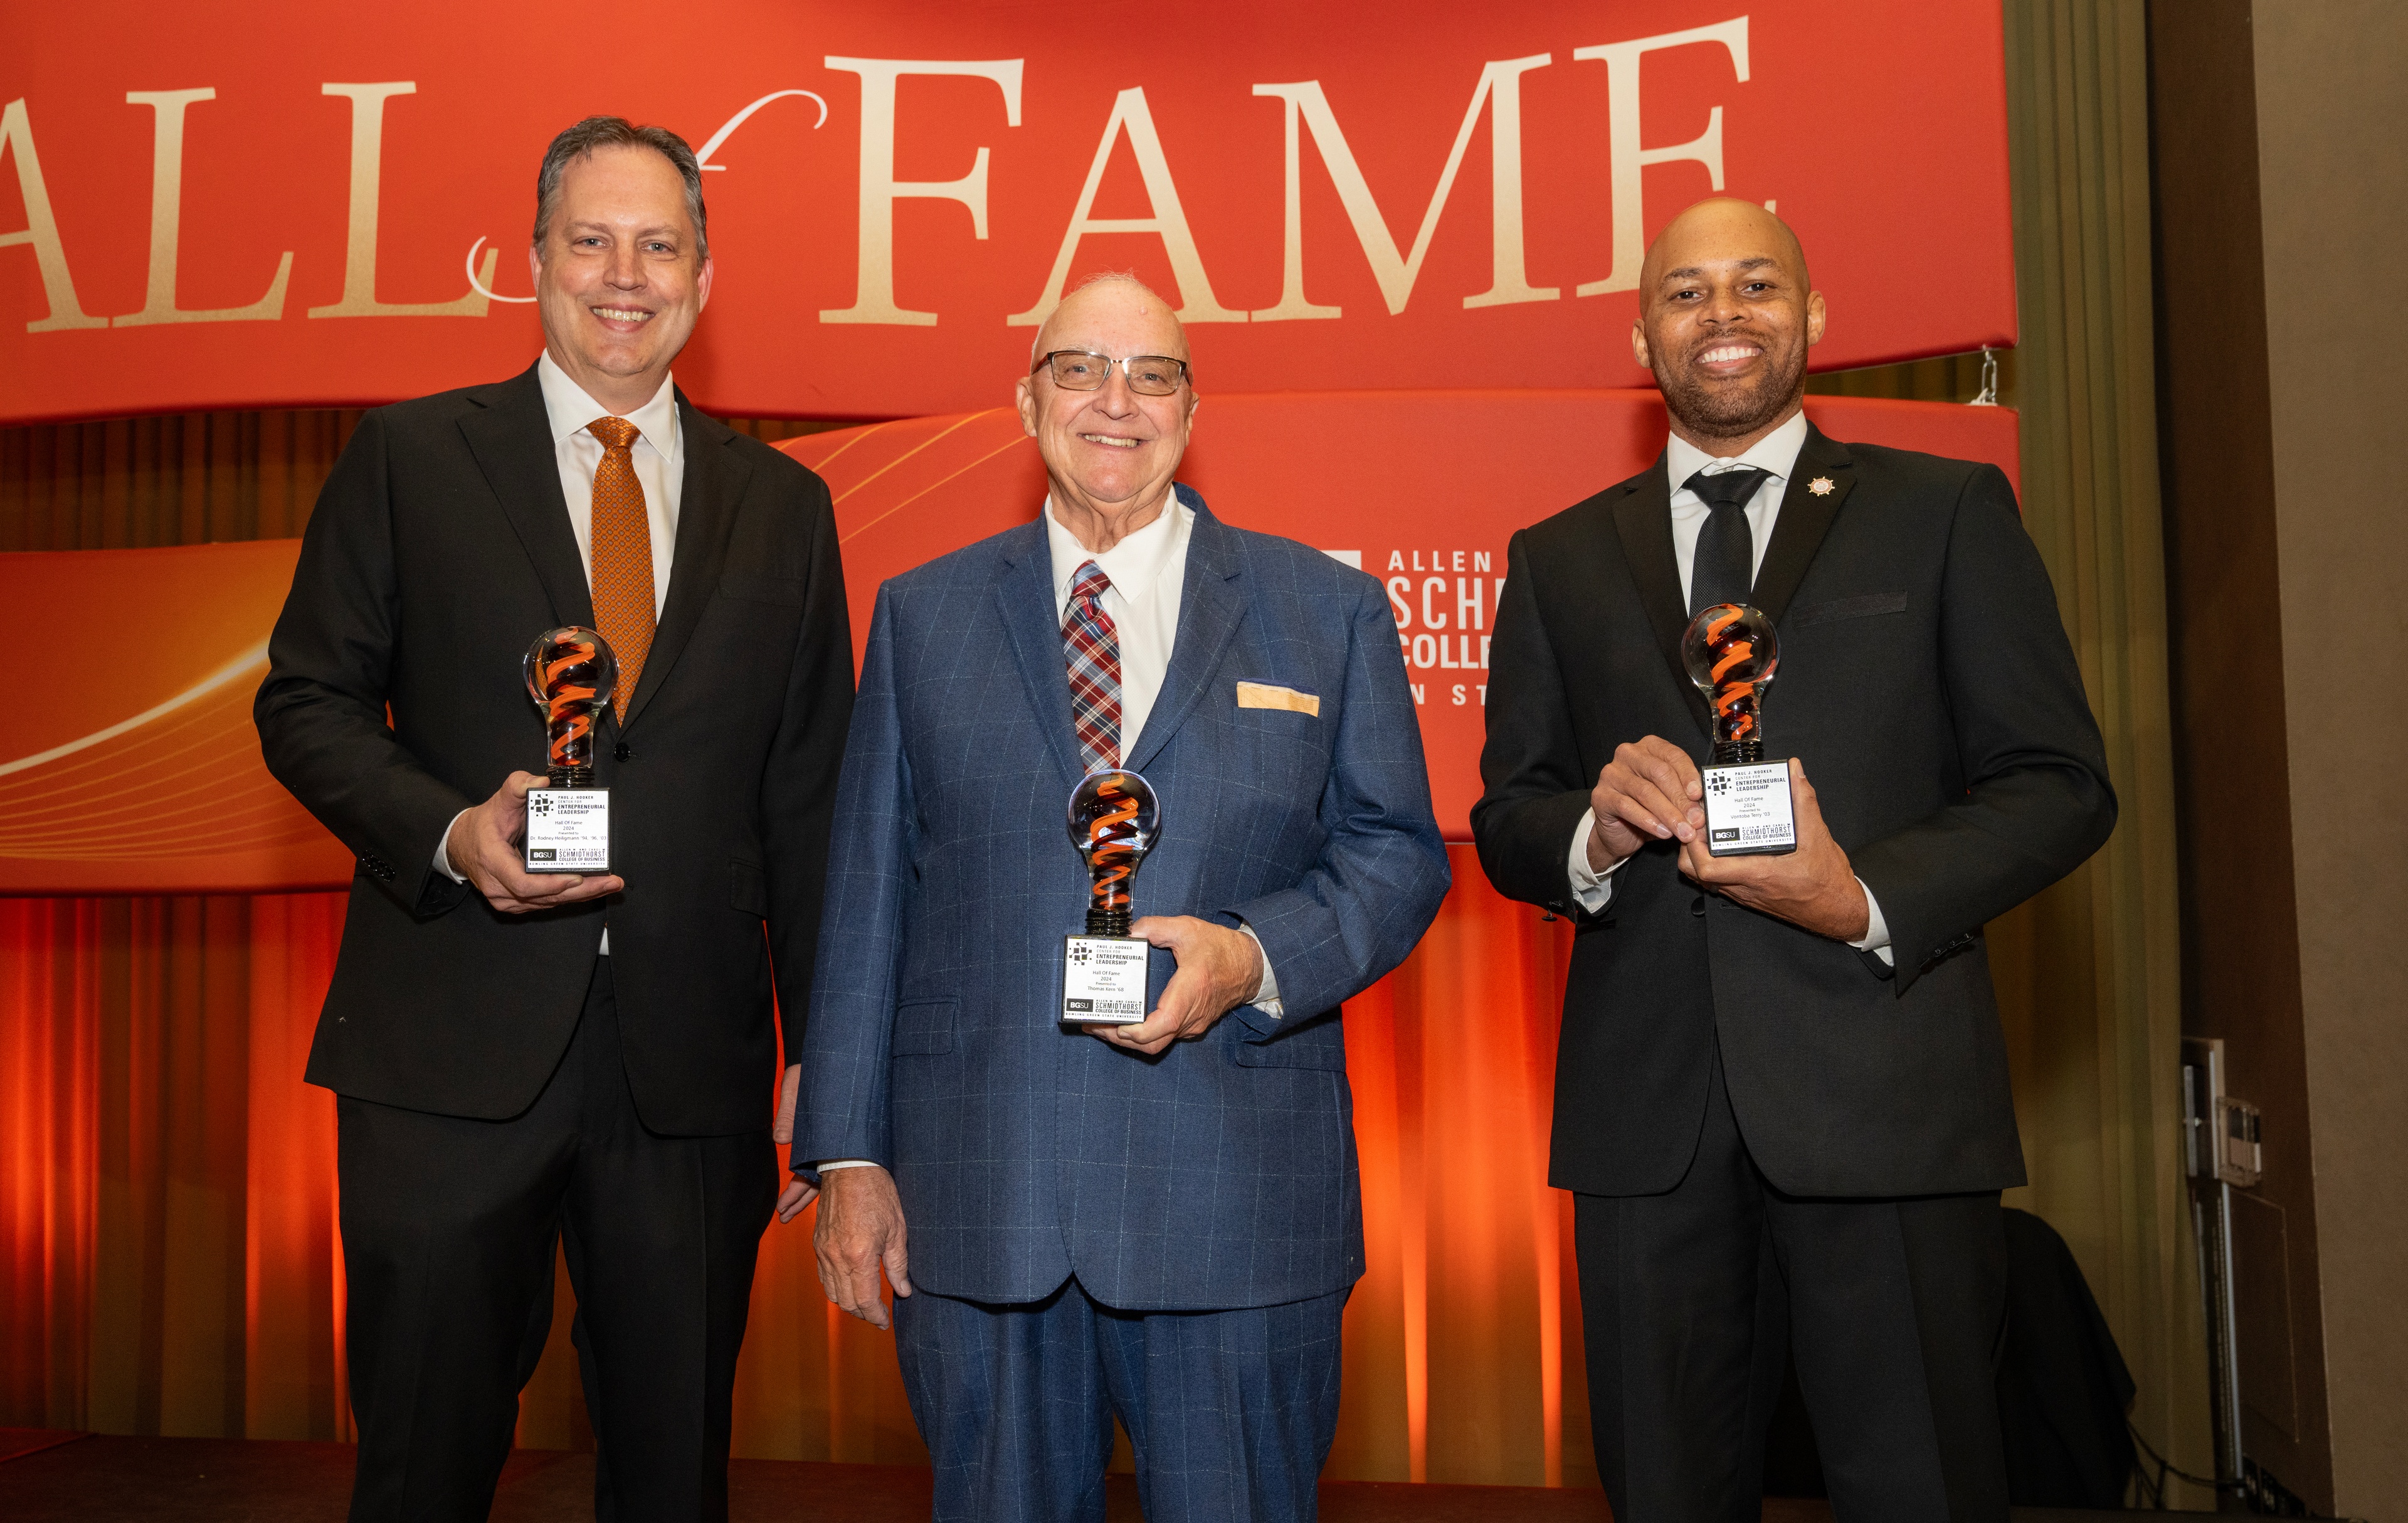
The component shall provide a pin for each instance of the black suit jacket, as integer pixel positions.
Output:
(439, 549)
(1927, 684)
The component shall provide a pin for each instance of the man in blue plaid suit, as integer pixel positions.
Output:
(1161, 1224)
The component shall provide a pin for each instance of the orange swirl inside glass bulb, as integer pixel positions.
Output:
(1729, 651)
(568, 704)
(1113, 846)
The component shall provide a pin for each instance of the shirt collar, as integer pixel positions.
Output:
(570, 409)
(1776, 453)
(1135, 563)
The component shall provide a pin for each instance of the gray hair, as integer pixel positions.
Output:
(618, 132)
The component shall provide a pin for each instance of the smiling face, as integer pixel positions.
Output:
(618, 277)
(1726, 317)
(1110, 450)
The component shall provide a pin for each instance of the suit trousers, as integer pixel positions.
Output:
(449, 1230)
(1694, 1301)
(1230, 1413)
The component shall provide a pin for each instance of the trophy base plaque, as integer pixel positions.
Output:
(568, 830)
(1749, 811)
(1103, 980)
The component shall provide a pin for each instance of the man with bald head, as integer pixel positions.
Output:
(1781, 1097)
(1157, 1222)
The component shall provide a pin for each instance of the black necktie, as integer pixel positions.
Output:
(1724, 569)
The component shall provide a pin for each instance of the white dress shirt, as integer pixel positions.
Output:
(658, 451)
(1777, 453)
(1149, 575)
(659, 459)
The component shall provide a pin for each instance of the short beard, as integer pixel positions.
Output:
(1732, 414)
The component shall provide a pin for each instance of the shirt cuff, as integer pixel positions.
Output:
(826, 1164)
(1591, 890)
(443, 851)
(1876, 930)
(1267, 995)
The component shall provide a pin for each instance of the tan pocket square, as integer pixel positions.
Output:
(1264, 695)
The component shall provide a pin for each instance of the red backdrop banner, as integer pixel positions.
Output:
(271, 204)
(129, 763)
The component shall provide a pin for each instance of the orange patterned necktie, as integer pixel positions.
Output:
(623, 556)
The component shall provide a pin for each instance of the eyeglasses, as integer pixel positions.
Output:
(1149, 375)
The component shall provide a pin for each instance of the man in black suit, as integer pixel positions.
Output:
(1781, 1095)
(525, 1060)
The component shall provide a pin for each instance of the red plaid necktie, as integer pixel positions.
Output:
(1093, 647)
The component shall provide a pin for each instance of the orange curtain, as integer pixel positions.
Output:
(166, 1227)
(169, 1261)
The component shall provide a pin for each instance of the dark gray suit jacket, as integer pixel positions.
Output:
(1927, 684)
(438, 550)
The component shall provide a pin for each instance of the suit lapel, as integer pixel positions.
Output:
(1805, 517)
(512, 440)
(715, 477)
(1643, 521)
(1025, 597)
(1210, 610)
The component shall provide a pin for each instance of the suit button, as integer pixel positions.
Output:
(623, 753)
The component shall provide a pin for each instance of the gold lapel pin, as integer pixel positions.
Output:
(1820, 486)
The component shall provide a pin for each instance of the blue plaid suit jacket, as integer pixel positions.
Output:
(1222, 1173)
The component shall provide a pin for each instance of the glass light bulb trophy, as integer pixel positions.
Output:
(1731, 654)
(1114, 821)
(571, 673)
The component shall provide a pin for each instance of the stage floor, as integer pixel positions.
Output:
(100, 1479)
